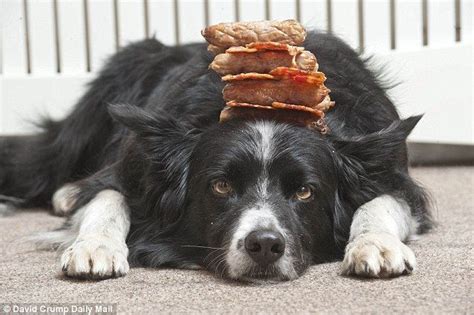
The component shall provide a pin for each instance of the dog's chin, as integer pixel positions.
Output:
(267, 274)
(253, 273)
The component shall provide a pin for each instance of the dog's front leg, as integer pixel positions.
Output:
(99, 250)
(376, 247)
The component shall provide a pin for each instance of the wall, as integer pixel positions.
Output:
(50, 49)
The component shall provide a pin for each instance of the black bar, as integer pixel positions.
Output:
(146, 18)
(57, 41)
(393, 25)
(329, 15)
(237, 10)
(87, 35)
(457, 19)
(298, 10)
(267, 10)
(424, 12)
(360, 15)
(206, 12)
(176, 22)
(116, 24)
(27, 36)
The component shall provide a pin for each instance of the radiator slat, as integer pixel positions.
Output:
(345, 21)
(191, 20)
(221, 11)
(314, 14)
(42, 41)
(131, 21)
(441, 23)
(72, 36)
(408, 24)
(102, 33)
(162, 20)
(466, 21)
(376, 25)
(282, 9)
(14, 56)
(252, 10)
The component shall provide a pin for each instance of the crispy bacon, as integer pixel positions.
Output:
(325, 104)
(251, 111)
(265, 92)
(265, 46)
(267, 75)
(248, 76)
(298, 75)
(237, 104)
(262, 62)
(296, 107)
(241, 33)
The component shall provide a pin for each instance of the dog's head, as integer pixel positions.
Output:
(262, 192)
(252, 199)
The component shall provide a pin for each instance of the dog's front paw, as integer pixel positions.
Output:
(95, 257)
(378, 255)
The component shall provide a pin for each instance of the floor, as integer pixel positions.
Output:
(442, 283)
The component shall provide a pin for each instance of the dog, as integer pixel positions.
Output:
(147, 176)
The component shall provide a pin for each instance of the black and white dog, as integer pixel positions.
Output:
(148, 177)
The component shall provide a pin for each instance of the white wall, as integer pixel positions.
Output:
(63, 54)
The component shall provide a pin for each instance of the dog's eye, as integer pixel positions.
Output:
(222, 188)
(304, 193)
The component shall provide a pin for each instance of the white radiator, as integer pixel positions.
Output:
(51, 48)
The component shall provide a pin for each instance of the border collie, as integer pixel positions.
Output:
(147, 176)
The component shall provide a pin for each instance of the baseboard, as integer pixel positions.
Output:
(421, 153)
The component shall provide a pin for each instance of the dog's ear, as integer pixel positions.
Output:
(379, 147)
(167, 145)
(361, 162)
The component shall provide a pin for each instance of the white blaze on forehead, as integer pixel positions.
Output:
(266, 131)
(264, 150)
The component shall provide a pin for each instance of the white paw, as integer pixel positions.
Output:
(64, 199)
(95, 257)
(378, 255)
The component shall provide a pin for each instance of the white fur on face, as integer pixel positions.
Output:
(376, 246)
(266, 131)
(259, 217)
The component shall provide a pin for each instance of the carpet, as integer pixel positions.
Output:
(441, 284)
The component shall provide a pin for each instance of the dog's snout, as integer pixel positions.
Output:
(265, 247)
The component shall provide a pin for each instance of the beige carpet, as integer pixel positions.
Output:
(442, 283)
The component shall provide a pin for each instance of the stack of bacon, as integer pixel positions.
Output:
(268, 73)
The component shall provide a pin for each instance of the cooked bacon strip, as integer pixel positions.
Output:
(278, 105)
(265, 92)
(265, 46)
(302, 108)
(262, 62)
(248, 76)
(241, 33)
(237, 104)
(297, 75)
(251, 111)
(325, 104)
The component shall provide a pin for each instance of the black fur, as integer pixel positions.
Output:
(148, 127)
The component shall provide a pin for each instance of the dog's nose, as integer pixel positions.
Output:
(265, 247)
